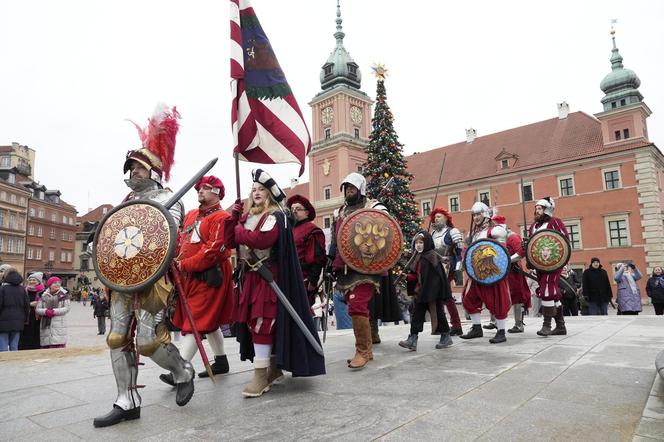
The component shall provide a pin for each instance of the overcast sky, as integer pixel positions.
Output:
(72, 71)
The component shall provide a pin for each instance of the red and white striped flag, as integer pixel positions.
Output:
(268, 126)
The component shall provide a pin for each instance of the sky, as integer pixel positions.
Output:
(73, 72)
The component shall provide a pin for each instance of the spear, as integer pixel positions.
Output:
(440, 177)
(185, 304)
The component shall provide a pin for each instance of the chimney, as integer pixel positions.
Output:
(563, 110)
(471, 134)
(294, 182)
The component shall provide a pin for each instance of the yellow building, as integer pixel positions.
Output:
(13, 214)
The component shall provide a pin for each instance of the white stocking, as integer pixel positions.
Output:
(216, 340)
(263, 351)
(188, 347)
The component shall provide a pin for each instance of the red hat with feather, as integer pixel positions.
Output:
(158, 140)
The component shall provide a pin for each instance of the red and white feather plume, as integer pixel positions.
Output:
(159, 136)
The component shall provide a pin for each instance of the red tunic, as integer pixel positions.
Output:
(308, 237)
(548, 290)
(257, 299)
(519, 291)
(210, 307)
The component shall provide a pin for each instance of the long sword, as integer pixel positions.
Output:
(266, 274)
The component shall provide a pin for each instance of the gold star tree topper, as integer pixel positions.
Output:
(379, 70)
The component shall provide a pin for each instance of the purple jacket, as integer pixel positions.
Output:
(628, 301)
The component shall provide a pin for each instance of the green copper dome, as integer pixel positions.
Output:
(340, 68)
(620, 86)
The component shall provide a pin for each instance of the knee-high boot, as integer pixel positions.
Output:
(548, 313)
(560, 323)
(362, 332)
(375, 336)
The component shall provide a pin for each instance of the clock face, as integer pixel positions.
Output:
(356, 114)
(327, 115)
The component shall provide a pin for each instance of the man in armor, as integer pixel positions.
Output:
(133, 314)
(448, 244)
(358, 288)
(516, 281)
(549, 291)
(495, 297)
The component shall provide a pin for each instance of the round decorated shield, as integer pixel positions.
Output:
(548, 250)
(133, 245)
(486, 261)
(369, 241)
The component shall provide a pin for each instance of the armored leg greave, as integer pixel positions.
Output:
(168, 357)
(126, 373)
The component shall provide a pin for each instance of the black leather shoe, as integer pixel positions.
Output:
(489, 326)
(219, 366)
(167, 379)
(185, 390)
(116, 415)
(456, 332)
(474, 332)
(500, 337)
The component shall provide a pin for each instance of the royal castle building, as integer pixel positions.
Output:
(603, 171)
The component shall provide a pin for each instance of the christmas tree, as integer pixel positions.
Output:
(385, 161)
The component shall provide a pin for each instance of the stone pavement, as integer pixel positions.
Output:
(594, 384)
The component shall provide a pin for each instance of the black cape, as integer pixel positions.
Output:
(434, 285)
(293, 351)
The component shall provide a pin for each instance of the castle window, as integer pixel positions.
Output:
(327, 222)
(613, 105)
(625, 133)
(327, 70)
(328, 133)
(426, 207)
(622, 102)
(617, 135)
(504, 164)
(566, 185)
(611, 179)
(357, 133)
(327, 192)
(453, 203)
(527, 192)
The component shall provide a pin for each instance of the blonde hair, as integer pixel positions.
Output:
(269, 205)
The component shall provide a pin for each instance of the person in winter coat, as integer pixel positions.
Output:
(655, 289)
(99, 312)
(30, 336)
(570, 300)
(597, 288)
(629, 295)
(14, 310)
(53, 308)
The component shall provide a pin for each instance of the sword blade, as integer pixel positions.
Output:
(291, 311)
(180, 193)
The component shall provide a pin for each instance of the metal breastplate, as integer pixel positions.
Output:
(439, 242)
(161, 196)
(250, 224)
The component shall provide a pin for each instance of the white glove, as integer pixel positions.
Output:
(458, 266)
(515, 258)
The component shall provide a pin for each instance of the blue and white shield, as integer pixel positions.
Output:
(486, 261)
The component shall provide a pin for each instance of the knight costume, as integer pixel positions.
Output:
(133, 314)
(358, 288)
(549, 290)
(496, 296)
(448, 244)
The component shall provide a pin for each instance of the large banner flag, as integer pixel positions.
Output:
(268, 126)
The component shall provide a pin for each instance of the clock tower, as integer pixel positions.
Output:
(341, 124)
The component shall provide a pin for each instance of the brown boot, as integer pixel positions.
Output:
(375, 337)
(259, 383)
(560, 323)
(362, 332)
(548, 313)
(274, 373)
